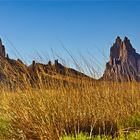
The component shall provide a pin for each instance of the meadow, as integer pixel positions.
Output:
(89, 111)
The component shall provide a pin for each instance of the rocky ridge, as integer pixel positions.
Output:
(14, 73)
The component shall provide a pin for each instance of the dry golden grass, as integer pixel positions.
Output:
(91, 107)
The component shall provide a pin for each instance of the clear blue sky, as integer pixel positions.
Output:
(81, 26)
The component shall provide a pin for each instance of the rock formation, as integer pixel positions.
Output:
(124, 63)
(2, 50)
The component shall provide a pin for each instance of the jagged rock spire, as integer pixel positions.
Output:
(2, 49)
(124, 63)
(115, 50)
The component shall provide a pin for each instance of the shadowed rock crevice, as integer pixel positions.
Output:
(124, 63)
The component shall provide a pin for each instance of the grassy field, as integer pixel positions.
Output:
(130, 136)
(91, 110)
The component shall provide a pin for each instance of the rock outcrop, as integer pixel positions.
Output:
(124, 63)
(2, 50)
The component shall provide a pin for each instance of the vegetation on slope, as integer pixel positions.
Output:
(96, 109)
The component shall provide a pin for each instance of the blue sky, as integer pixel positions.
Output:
(83, 27)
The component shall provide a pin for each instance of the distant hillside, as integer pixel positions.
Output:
(14, 73)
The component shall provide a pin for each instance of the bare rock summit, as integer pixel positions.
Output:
(124, 63)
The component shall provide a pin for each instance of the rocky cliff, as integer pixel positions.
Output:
(124, 63)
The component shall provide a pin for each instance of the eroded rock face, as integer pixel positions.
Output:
(124, 63)
(2, 49)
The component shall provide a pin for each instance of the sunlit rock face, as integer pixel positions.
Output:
(2, 49)
(124, 63)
